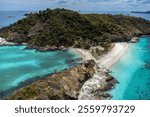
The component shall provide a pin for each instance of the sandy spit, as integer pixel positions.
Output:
(103, 63)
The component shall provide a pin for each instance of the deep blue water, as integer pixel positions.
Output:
(10, 17)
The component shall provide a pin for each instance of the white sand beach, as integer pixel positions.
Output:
(110, 58)
(84, 54)
(104, 62)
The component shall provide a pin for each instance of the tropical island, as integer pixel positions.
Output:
(143, 12)
(99, 39)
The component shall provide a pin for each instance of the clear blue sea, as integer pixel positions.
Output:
(133, 69)
(133, 72)
(9, 17)
(18, 65)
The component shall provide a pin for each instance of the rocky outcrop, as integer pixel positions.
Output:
(134, 40)
(97, 87)
(107, 84)
(4, 42)
(47, 48)
(84, 81)
(60, 86)
(96, 51)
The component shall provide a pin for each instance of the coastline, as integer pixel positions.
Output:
(101, 82)
(97, 86)
(110, 58)
(104, 61)
(3, 42)
(84, 54)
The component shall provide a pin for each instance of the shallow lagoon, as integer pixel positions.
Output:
(18, 64)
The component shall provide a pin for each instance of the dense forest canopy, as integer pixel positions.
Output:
(61, 27)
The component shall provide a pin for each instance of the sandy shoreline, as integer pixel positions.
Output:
(106, 60)
(110, 58)
(103, 63)
(84, 54)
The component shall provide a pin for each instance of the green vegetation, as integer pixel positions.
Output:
(61, 27)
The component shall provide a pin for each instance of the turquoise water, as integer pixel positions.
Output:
(18, 65)
(132, 74)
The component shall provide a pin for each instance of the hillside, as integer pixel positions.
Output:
(52, 29)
